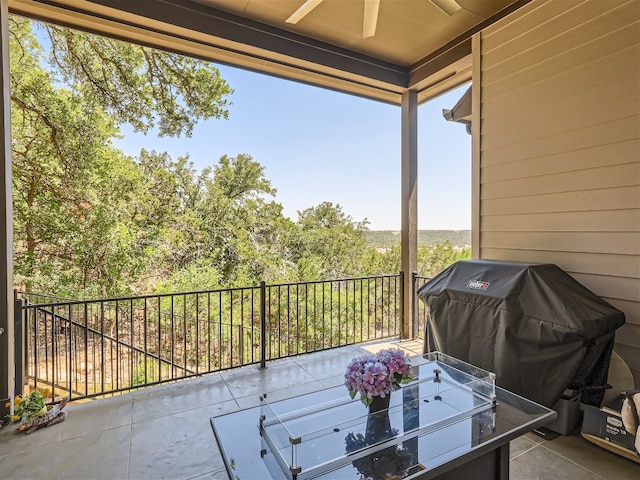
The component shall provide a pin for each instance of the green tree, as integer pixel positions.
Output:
(57, 145)
(331, 244)
(383, 261)
(165, 212)
(138, 85)
(73, 191)
(220, 219)
(433, 259)
(248, 237)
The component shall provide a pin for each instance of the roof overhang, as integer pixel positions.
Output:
(200, 29)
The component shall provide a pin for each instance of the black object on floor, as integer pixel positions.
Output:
(546, 433)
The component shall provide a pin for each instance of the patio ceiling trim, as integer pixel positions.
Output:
(189, 28)
(194, 29)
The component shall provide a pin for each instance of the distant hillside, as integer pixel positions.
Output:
(389, 238)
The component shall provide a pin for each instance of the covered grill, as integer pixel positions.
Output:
(534, 325)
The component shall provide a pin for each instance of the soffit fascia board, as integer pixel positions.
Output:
(98, 18)
(99, 22)
(258, 39)
(443, 84)
(440, 63)
(421, 73)
(128, 27)
(451, 65)
(211, 34)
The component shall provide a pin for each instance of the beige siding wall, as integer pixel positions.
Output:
(558, 157)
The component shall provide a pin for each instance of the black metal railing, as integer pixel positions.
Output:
(93, 348)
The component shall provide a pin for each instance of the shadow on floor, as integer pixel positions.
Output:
(164, 431)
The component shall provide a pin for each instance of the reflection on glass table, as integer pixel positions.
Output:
(450, 412)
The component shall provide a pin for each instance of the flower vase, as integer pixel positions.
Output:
(380, 405)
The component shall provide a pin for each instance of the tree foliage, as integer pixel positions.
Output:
(91, 221)
(331, 243)
(138, 85)
(73, 191)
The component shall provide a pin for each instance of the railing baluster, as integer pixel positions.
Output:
(47, 362)
(263, 325)
(103, 361)
(329, 284)
(354, 311)
(69, 356)
(145, 328)
(288, 349)
(146, 348)
(86, 350)
(385, 306)
(220, 365)
(240, 327)
(231, 363)
(253, 326)
(208, 331)
(297, 337)
(32, 315)
(279, 321)
(323, 316)
(339, 319)
(197, 334)
(184, 334)
(159, 340)
(361, 307)
(306, 317)
(172, 343)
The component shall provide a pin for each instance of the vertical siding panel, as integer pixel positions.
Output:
(549, 189)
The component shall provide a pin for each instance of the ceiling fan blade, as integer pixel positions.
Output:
(447, 6)
(302, 12)
(371, 8)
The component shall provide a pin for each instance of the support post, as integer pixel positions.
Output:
(263, 325)
(7, 367)
(20, 344)
(409, 205)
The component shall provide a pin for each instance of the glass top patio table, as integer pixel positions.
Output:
(450, 410)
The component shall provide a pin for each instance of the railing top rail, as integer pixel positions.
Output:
(147, 296)
(199, 292)
(22, 294)
(333, 280)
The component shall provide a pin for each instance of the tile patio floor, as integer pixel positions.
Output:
(164, 432)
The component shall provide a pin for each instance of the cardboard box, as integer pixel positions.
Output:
(605, 424)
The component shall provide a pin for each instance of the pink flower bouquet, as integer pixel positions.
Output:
(377, 375)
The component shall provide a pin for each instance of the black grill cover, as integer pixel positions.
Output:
(535, 326)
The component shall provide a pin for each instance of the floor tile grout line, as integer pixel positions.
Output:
(130, 438)
(283, 387)
(525, 451)
(573, 461)
(135, 401)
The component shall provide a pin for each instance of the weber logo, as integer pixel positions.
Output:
(616, 422)
(478, 284)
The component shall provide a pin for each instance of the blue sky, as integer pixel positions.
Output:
(319, 145)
